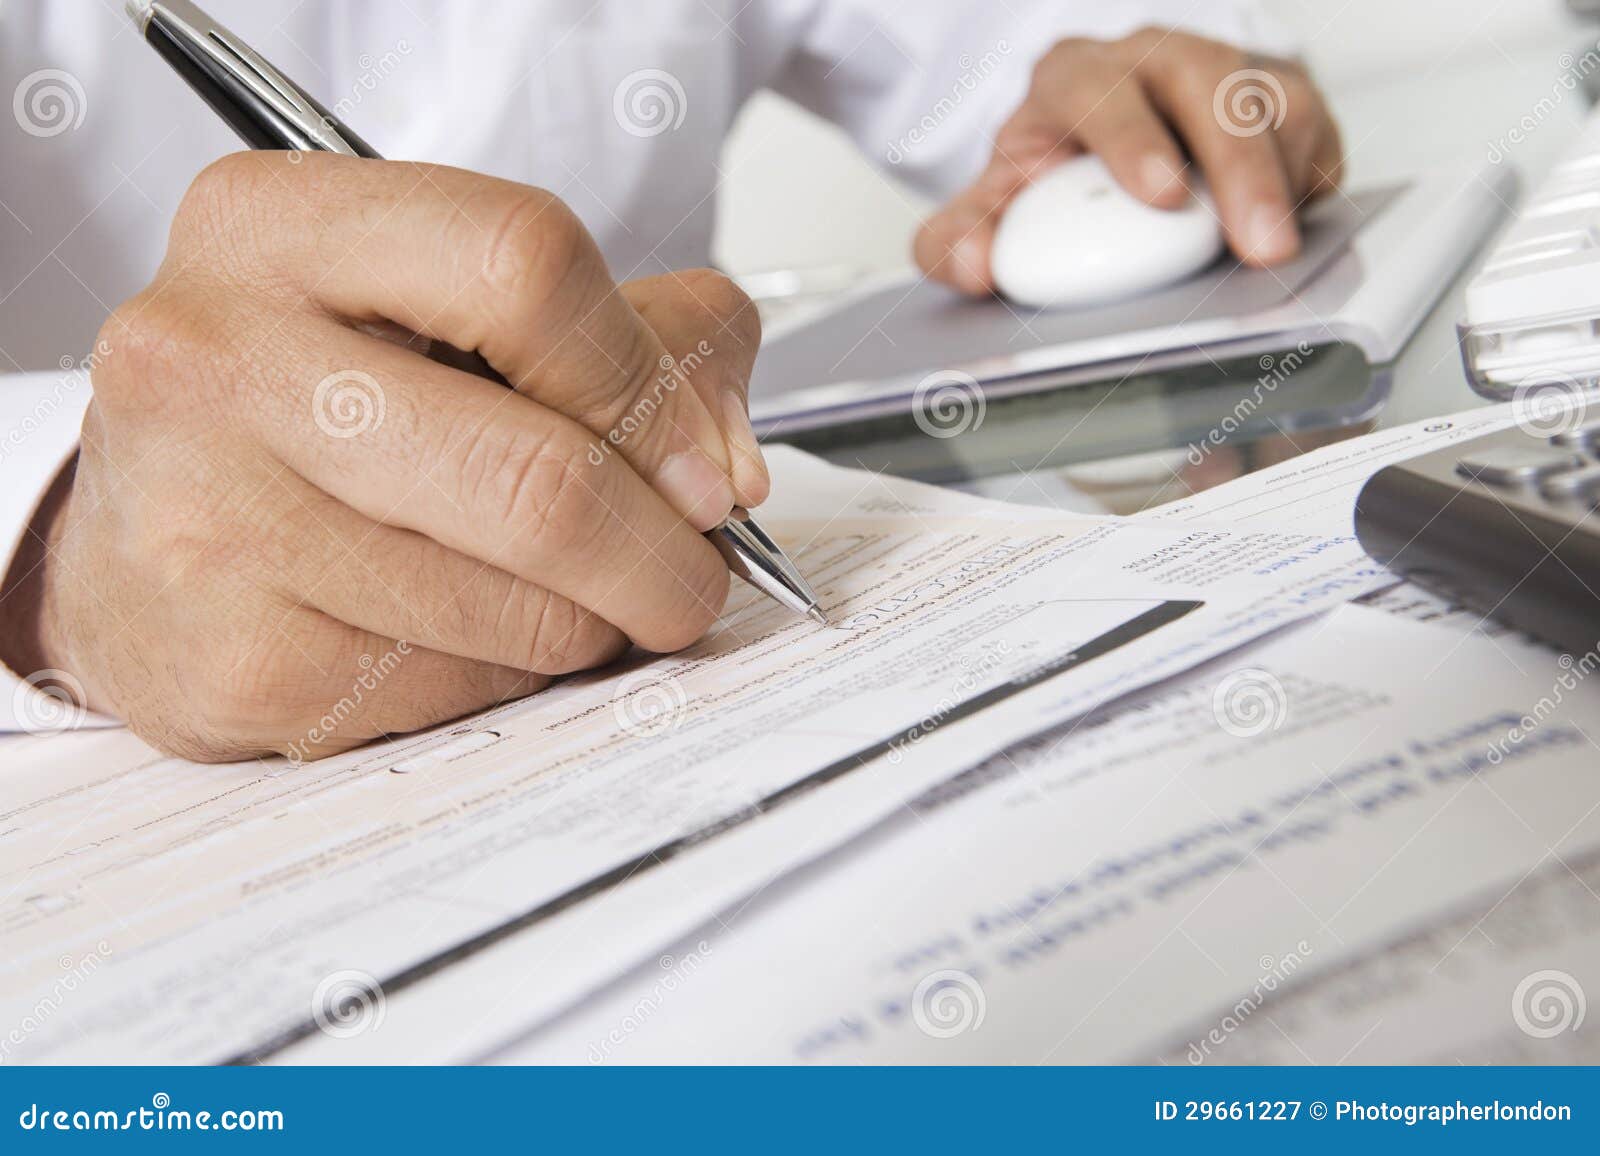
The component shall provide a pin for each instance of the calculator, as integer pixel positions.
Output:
(1507, 524)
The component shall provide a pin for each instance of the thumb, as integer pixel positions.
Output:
(955, 243)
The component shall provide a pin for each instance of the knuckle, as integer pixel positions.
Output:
(437, 612)
(221, 208)
(535, 487)
(174, 544)
(148, 342)
(222, 186)
(1066, 51)
(1078, 76)
(1185, 64)
(1059, 61)
(1193, 77)
(737, 317)
(495, 613)
(533, 248)
(555, 645)
(193, 525)
(1150, 38)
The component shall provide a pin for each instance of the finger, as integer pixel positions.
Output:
(422, 447)
(497, 268)
(1307, 135)
(1099, 103)
(293, 681)
(1327, 162)
(359, 686)
(705, 314)
(1241, 162)
(400, 584)
(954, 244)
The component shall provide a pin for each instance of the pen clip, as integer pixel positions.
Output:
(251, 69)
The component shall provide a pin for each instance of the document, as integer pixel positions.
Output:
(1506, 980)
(1317, 490)
(1265, 858)
(531, 853)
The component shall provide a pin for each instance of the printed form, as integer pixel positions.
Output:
(534, 852)
(1365, 840)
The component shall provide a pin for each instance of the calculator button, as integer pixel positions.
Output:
(1508, 465)
(1581, 438)
(1584, 483)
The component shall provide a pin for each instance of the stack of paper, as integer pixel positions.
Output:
(437, 897)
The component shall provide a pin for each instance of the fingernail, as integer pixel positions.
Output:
(1158, 176)
(696, 488)
(1269, 235)
(750, 479)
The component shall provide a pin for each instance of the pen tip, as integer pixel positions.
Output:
(139, 12)
(816, 615)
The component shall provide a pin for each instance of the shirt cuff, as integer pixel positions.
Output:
(40, 416)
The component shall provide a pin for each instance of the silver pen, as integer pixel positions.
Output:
(270, 111)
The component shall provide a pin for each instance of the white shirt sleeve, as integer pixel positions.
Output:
(923, 88)
(40, 414)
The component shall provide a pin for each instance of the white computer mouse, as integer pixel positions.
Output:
(1075, 238)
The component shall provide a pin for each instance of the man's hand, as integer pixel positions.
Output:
(1256, 128)
(288, 530)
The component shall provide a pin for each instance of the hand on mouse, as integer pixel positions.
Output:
(285, 533)
(1256, 127)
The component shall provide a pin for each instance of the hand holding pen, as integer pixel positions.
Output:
(294, 507)
(270, 111)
